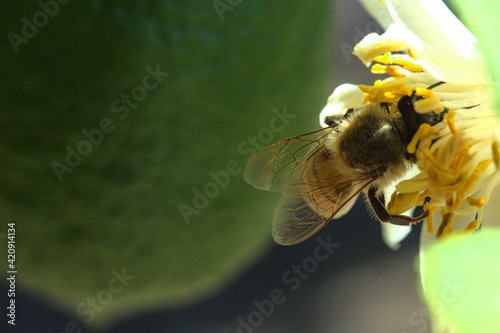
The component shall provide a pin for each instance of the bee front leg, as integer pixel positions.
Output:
(333, 121)
(378, 205)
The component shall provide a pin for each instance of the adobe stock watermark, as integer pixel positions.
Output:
(422, 320)
(370, 27)
(222, 6)
(88, 309)
(221, 179)
(292, 280)
(121, 107)
(347, 48)
(30, 27)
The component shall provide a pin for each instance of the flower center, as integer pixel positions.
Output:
(450, 172)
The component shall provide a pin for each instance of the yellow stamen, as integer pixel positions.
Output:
(424, 92)
(454, 203)
(423, 131)
(410, 53)
(383, 91)
(496, 153)
(397, 93)
(450, 121)
(398, 60)
(423, 195)
(469, 229)
(429, 104)
(476, 202)
(428, 163)
(445, 228)
(408, 65)
(384, 59)
(449, 173)
(478, 170)
(393, 71)
(428, 219)
(461, 156)
(378, 69)
(367, 54)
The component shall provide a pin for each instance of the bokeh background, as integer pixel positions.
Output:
(229, 64)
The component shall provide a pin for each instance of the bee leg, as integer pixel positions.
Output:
(378, 205)
(333, 121)
(407, 220)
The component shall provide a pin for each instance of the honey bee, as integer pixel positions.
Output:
(320, 174)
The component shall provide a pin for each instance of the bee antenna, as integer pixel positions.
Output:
(435, 85)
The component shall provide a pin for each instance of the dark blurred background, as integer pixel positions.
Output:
(362, 286)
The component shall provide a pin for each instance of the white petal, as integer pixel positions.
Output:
(392, 234)
(343, 97)
(396, 38)
(452, 67)
(439, 41)
(430, 20)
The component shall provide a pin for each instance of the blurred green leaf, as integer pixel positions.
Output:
(118, 208)
(460, 282)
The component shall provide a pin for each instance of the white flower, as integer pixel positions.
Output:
(457, 159)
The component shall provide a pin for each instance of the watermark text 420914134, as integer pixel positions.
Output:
(11, 272)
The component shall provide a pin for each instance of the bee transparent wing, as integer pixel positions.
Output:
(299, 215)
(314, 186)
(295, 221)
(271, 168)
